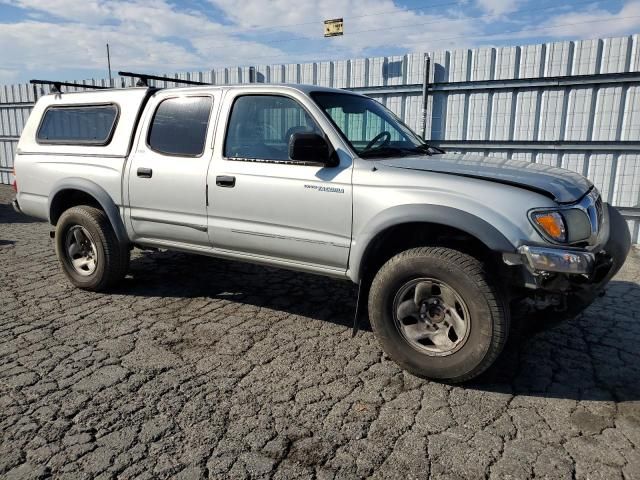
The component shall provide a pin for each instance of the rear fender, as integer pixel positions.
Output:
(99, 194)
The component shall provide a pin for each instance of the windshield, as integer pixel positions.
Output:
(371, 129)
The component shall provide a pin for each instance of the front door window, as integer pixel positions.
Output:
(261, 126)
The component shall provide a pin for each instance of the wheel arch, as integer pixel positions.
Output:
(408, 218)
(80, 191)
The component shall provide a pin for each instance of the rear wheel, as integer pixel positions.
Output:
(88, 249)
(436, 313)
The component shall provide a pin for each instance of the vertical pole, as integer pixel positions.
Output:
(252, 74)
(109, 66)
(425, 94)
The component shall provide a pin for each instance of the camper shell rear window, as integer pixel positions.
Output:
(78, 124)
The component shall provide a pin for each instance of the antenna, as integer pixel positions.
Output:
(143, 79)
(56, 86)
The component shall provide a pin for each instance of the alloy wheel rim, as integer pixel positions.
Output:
(81, 250)
(431, 316)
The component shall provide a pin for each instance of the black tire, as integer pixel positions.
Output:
(488, 323)
(112, 259)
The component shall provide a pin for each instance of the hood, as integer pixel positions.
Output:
(562, 185)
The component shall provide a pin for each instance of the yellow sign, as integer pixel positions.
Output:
(333, 28)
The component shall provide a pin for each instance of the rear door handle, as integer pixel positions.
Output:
(226, 181)
(145, 172)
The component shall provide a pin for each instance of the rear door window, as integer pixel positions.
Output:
(78, 125)
(179, 126)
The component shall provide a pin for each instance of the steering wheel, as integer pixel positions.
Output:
(387, 138)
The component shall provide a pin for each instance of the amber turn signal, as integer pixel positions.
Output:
(552, 224)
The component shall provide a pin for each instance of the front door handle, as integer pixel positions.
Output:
(145, 172)
(226, 181)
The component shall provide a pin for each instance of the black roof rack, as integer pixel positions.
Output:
(57, 85)
(143, 79)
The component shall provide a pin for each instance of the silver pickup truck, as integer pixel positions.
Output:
(442, 246)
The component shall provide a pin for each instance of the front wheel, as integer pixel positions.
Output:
(436, 313)
(88, 249)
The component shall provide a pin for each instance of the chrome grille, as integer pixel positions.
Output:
(592, 204)
(599, 210)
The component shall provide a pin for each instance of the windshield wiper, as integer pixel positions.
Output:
(426, 147)
(385, 152)
(420, 149)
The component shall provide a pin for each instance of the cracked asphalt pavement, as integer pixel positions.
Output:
(203, 368)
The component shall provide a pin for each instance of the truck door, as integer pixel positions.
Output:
(168, 170)
(264, 204)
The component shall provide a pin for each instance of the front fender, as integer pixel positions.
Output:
(424, 213)
(102, 197)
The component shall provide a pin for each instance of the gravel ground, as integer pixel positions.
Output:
(200, 368)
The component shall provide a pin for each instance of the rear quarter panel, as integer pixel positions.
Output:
(41, 167)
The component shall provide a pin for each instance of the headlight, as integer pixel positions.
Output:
(550, 224)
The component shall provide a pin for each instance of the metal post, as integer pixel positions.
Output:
(425, 94)
(109, 66)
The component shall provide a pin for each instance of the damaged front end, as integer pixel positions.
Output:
(570, 279)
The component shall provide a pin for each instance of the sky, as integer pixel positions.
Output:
(65, 39)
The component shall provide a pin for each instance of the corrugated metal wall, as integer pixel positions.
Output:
(569, 104)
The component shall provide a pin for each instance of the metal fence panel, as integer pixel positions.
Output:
(521, 102)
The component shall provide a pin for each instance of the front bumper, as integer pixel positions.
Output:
(557, 260)
(568, 269)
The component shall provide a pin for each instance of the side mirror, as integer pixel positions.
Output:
(311, 147)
